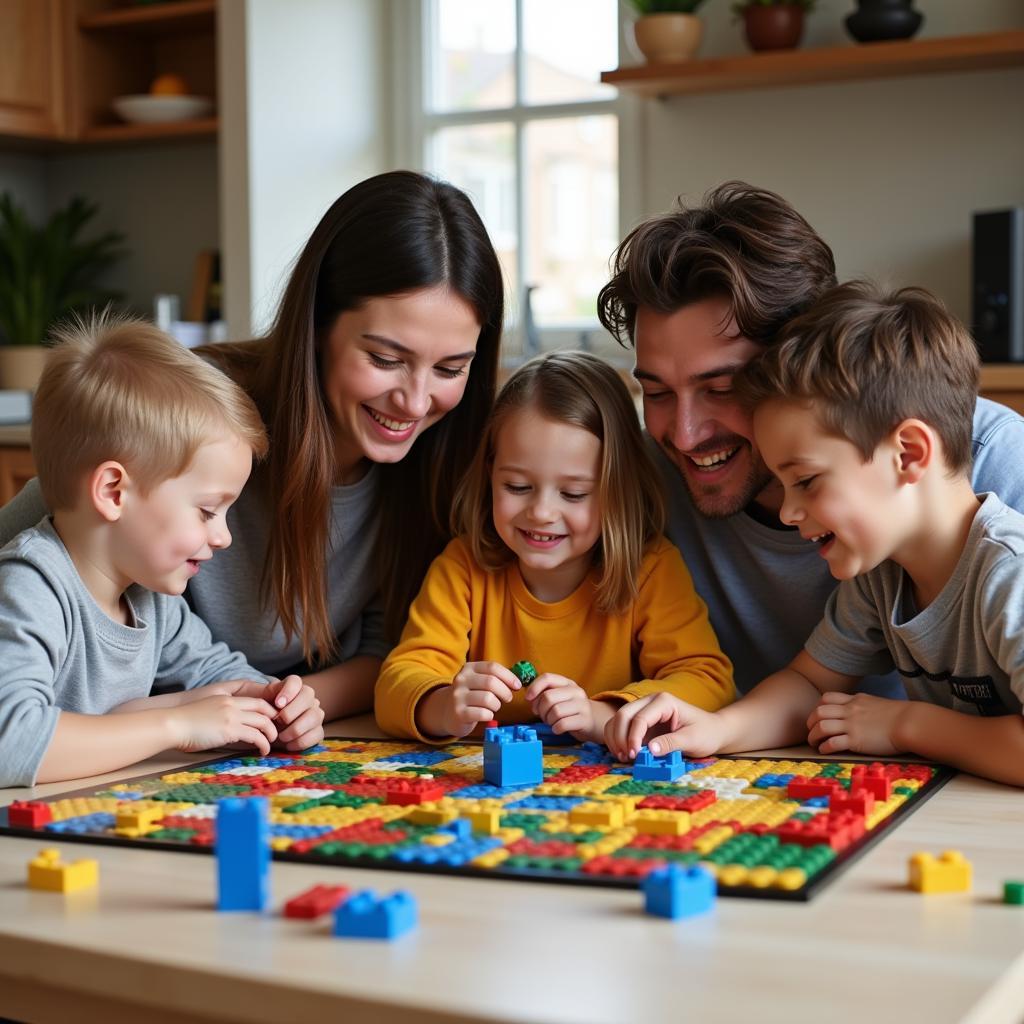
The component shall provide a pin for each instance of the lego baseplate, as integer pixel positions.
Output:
(768, 828)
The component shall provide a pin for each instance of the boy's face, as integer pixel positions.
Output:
(851, 508)
(163, 536)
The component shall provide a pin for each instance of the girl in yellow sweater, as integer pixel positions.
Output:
(558, 559)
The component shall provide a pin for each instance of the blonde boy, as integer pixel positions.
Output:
(141, 448)
(863, 412)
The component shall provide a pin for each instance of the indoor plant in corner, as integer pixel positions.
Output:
(773, 24)
(667, 31)
(46, 273)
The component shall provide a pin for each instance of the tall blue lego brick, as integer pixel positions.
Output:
(243, 854)
(513, 756)
(366, 916)
(679, 891)
(650, 767)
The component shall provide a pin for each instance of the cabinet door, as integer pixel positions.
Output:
(16, 469)
(31, 79)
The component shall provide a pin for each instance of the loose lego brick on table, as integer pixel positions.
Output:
(243, 853)
(676, 891)
(316, 901)
(950, 872)
(1013, 893)
(48, 873)
(368, 916)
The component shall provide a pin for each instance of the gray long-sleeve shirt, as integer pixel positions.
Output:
(60, 651)
(226, 594)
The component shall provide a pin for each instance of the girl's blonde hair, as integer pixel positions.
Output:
(116, 387)
(584, 391)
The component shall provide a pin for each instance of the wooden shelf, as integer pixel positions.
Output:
(834, 64)
(170, 130)
(182, 16)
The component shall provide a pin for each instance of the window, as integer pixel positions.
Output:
(507, 104)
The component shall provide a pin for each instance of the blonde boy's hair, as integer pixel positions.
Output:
(867, 360)
(584, 391)
(118, 388)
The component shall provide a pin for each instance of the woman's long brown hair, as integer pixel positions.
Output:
(389, 235)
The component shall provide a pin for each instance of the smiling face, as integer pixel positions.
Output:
(685, 362)
(546, 502)
(164, 536)
(854, 510)
(391, 369)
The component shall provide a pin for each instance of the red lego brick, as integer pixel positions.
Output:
(621, 867)
(860, 801)
(695, 802)
(28, 814)
(315, 902)
(802, 788)
(406, 792)
(873, 778)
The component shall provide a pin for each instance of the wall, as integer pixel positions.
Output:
(888, 171)
(24, 176)
(307, 94)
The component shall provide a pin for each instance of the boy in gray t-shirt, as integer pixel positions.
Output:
(141, 448)
(864, 413)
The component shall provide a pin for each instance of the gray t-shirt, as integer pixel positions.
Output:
(60, 651)
(766, 588)
(226, 594)
(965, 651)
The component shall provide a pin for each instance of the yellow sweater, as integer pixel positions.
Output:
(463, 613)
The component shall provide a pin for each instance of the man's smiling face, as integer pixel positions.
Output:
(685, 362)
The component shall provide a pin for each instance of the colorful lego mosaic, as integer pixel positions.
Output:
(765, 827)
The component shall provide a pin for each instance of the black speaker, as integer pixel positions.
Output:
(998, 273)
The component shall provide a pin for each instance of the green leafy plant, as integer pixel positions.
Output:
(744, 5)
(644, 7)
(48, 272)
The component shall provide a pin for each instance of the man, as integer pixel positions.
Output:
(697, 292)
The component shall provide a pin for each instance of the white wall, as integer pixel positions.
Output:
(888, 171)
(307, 95)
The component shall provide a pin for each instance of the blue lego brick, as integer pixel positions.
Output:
(97, 822)
(594, 753)
(815, 801)
(423, 758)
(679, 891)
(513, 756)
(549, 738)
(771, 781)
(454, 855)
(367, 916)
(547, 803)
(243, 853)
(483, 791)
(649, 767)
(460, 827)
(300, 831)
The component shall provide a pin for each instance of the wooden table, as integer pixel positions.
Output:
(148, 945)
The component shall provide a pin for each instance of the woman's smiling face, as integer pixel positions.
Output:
(392, 368)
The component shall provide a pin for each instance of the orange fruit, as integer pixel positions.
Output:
(168, 85)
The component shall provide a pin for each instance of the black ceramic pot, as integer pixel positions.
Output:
(875, 20)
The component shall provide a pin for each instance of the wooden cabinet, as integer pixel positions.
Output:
(32, 100)
(62, 62)
(16, 469)
(1004, 383)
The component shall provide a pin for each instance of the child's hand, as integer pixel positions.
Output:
(220, 719)
(678, 726)
(564, 705)
(857, 722)
(475, 696)
(300, 720)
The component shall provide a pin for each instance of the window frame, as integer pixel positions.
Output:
(413, 124)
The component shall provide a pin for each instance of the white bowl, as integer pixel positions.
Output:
(146, 109)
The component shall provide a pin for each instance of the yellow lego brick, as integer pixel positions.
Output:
(48, 873)
(435, 813)
(491, 859)
(711, 839)
(732, 874)
(281, 842)
(486, 822)
(610, 813)
(662, 823)
(791, 878)
(440, 839)
(182, 778)
(762, 877)
(140, 816)
(510, 835)
(78, 807)
(951, 872)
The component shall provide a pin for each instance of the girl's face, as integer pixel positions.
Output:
(391, 369)
(546, 504)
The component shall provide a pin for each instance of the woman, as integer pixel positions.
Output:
(374, 382)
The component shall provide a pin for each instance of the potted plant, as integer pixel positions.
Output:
(46, 272)
(667, 31)
(773, 24)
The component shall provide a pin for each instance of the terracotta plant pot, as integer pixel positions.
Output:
(668, 38)
(21, 366)
(780, 27)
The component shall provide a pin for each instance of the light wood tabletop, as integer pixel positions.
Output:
(148, 945)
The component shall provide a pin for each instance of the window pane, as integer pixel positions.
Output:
(473, 54)
(566, 47)
(480, 159)
(572, 215)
